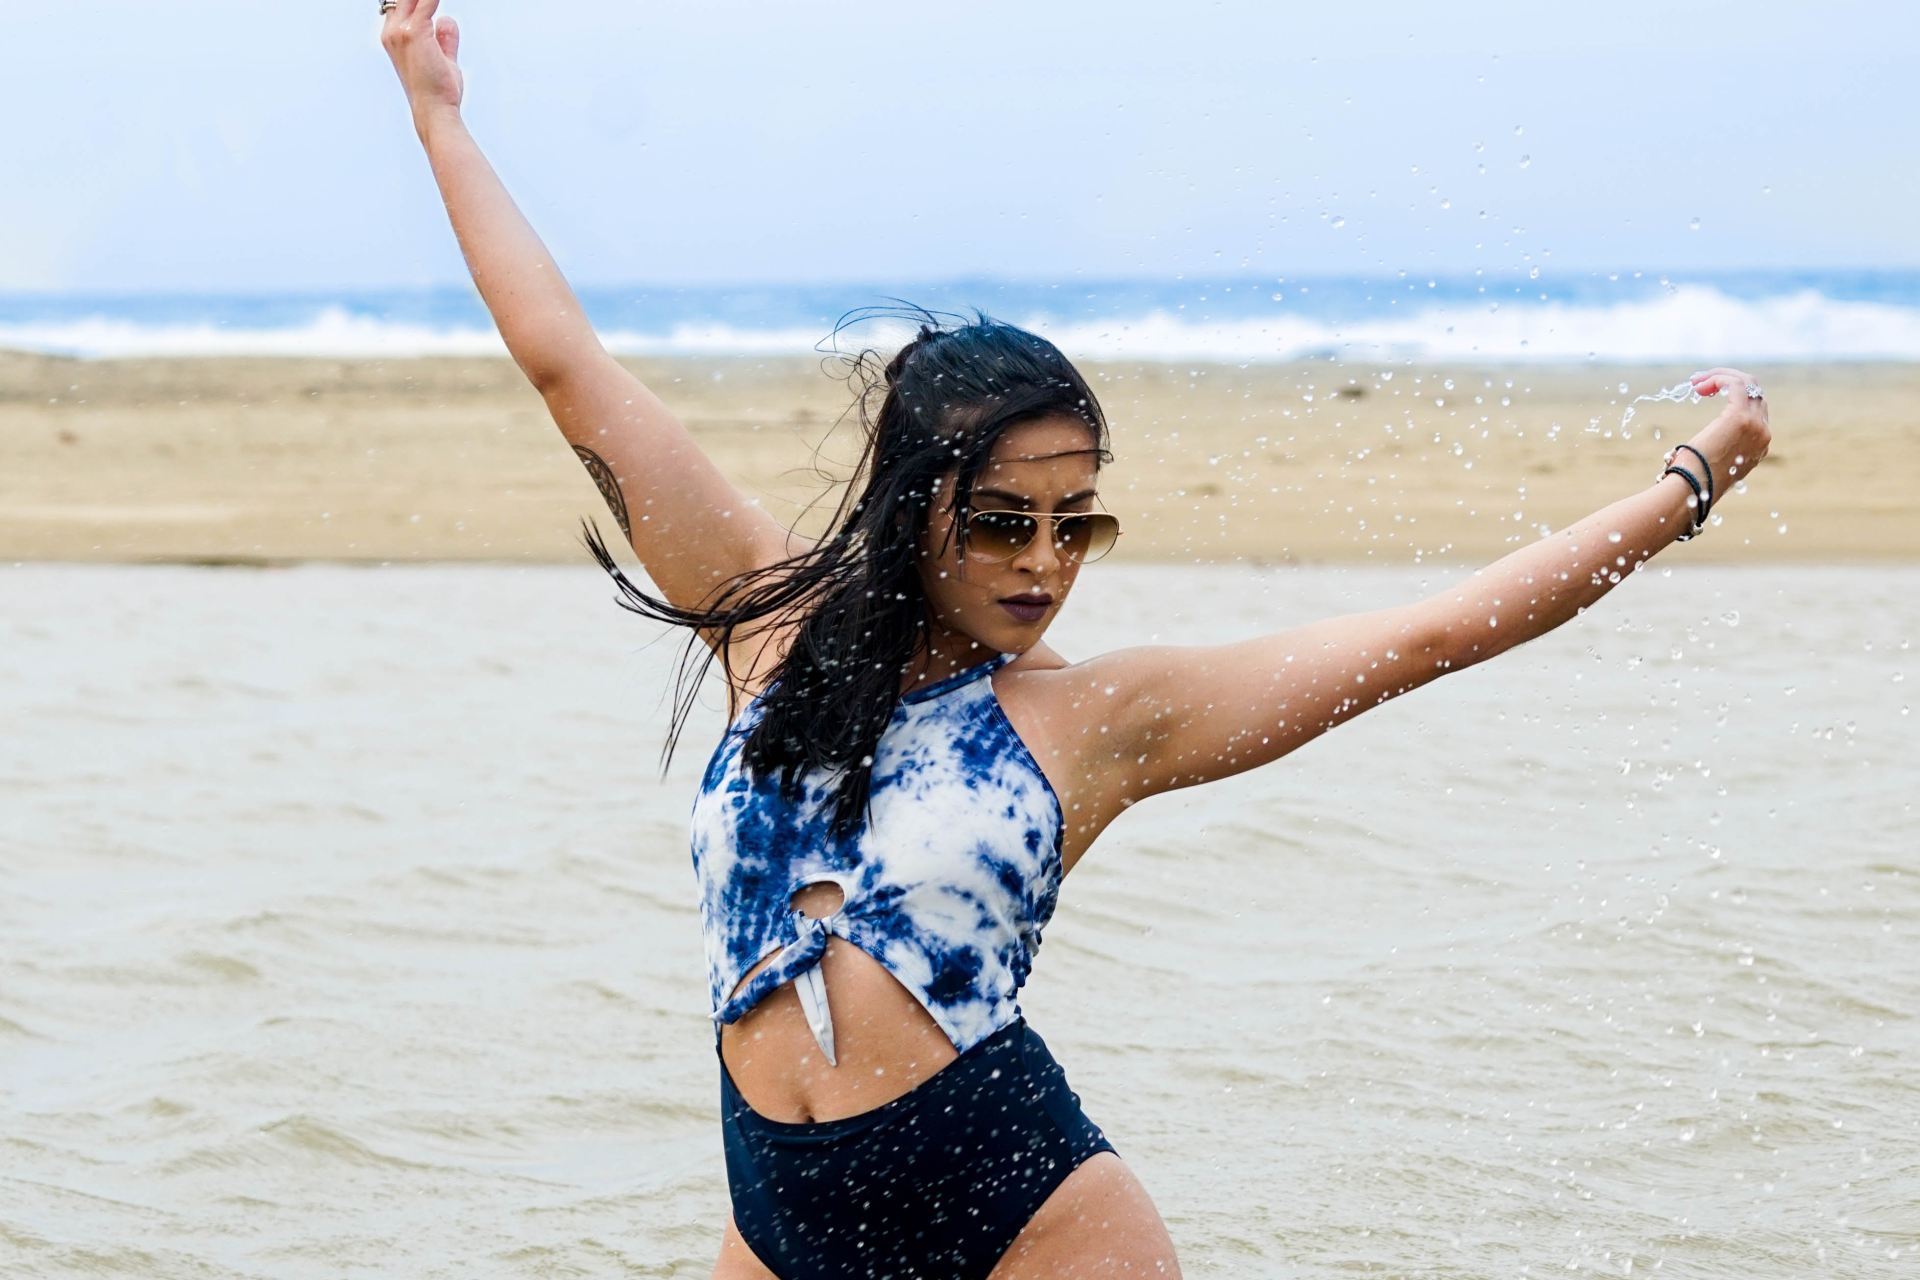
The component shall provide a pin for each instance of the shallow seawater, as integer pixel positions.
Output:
(347, 928)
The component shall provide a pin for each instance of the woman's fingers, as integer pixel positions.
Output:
(1720, 379)
(1731, 385)
(424, 53)
(408, 10)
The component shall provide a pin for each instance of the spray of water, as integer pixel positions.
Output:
(1681, 393)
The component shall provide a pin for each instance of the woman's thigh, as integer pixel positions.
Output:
(1098, 1222)
(737, 1262)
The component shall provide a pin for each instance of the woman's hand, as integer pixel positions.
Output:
(1738, 439)
(423, 52)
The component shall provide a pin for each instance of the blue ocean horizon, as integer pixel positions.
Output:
(1406, 315)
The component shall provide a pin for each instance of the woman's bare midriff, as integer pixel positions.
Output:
(885, 1040)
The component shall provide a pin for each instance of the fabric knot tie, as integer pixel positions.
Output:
(799, 963)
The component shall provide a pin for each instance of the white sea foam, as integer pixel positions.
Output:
(1689, 321)
(1693, 321)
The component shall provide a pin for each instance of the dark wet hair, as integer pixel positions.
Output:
(944, 399)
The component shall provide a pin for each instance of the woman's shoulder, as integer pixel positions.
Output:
(1030, 670)
(1042, 690)
(1065, 703)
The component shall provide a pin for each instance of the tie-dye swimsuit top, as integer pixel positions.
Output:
(948, 885)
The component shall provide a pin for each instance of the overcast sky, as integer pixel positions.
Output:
(266, 145)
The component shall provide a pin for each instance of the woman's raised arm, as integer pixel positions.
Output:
(691, 527)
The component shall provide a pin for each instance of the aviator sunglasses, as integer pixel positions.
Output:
(993, 536)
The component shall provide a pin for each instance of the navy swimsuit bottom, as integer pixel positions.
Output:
(935, 1183)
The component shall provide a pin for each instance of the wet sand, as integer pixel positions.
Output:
(223, 459)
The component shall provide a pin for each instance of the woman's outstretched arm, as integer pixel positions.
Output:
(1177, 715)
(536, 312)
(1535, 589)
(691, 527)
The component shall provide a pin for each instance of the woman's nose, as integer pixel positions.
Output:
(1040, 553)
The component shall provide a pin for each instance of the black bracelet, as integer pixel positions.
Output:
(1706, 467)
(1699, 522)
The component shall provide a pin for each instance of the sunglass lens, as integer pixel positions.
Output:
(1089, 536)
(1000, 535)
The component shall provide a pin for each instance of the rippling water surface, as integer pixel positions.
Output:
(347, 928)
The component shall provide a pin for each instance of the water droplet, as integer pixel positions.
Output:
(1694, 225)
(1446, 204)
(1624, 388)
(1339, 222)
(1448, 384)
(1525, 161)
(1517, 131)
(1614, 536)
(1731, 617)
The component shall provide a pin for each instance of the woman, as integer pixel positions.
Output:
(910, 772)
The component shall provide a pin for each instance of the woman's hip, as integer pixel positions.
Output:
(941, 1178)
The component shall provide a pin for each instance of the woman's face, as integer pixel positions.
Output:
(1039, 466)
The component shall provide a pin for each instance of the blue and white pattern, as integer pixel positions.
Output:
(948, 886)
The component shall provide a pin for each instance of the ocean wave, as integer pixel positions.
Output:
(1691, 322)
(1684, 322)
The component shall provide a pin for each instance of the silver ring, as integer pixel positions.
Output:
(388, 4)
(1753, 391)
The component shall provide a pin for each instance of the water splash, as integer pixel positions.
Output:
(1680, 393)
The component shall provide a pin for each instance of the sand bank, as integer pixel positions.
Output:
(271, 459)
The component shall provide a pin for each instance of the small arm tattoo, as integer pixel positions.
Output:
(609, 487)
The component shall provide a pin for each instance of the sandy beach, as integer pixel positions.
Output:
(268, 459)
